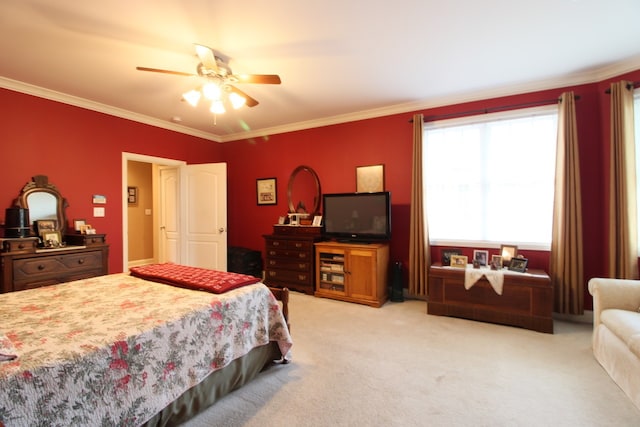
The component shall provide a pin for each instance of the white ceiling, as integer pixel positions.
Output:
(339, 60)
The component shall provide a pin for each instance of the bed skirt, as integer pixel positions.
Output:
(218, 384)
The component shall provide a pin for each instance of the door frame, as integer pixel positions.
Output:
(125, 213)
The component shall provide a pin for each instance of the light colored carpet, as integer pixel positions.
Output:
(355, 365)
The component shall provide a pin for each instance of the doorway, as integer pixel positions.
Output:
(192, 203)
(155, 163)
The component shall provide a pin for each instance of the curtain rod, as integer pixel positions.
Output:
(493, 109)
(629, 86)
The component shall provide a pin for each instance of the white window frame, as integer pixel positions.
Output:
(488, 118)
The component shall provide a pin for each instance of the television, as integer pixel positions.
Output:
(357, 217)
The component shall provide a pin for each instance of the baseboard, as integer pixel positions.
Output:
(138, 262)
(587, 317)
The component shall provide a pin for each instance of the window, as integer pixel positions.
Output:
(490, 179)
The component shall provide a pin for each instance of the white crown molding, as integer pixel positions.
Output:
(64, 98)
(586, 77)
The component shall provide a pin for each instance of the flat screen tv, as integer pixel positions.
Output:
(357, 217)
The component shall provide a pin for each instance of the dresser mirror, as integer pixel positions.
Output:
(303, 192)
(44, 202)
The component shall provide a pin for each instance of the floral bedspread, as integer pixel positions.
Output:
(115, 350)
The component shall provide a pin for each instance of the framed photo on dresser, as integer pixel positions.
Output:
(448, 253)
(481, 256)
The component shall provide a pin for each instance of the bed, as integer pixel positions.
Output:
(123, 350)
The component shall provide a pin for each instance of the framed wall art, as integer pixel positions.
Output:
(370, 179)
(132, 195)
(266, 191)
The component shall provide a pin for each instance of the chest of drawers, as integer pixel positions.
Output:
(290, 259)
(26, 270)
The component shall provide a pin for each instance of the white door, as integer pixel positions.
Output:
(169, 235)
(203, 192)
(193, 215)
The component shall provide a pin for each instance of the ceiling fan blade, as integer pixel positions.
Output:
(270, 79)
(251, 102)
(207, 57)
(157, 70)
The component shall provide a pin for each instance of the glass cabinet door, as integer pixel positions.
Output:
(332, 271)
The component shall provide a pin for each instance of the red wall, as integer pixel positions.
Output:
(81, 150)
(335, 151)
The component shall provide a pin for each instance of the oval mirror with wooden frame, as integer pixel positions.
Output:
(44, 202)
(303, 191)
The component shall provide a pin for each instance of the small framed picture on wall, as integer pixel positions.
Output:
(266, 191)
(132, 195)
(370, 179)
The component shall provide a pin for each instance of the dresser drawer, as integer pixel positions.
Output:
(285, 253)
(53, 267)
(288, 264)
(289, 276)
(298, 245)
(85, 239)
(23, 245)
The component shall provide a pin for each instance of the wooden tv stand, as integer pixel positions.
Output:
(526, 300)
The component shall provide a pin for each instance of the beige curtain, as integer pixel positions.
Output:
(566, 264)
(419, 256)
(623, 252)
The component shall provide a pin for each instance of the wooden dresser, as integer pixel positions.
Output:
(290, 257)
(526, 300)
(23, 266)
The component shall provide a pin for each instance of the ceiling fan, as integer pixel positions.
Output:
(220, 80)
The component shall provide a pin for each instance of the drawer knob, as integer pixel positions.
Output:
(40, 267)
(21, 246)
(276, 243)
(81, 261)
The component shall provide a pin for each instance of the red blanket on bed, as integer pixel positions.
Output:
(193, 277)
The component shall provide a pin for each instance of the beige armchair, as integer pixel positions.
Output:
(616, 331)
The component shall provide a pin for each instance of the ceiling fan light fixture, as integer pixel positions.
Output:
(192, 97)
(217, 107)
(237, 100)
(211, 91)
